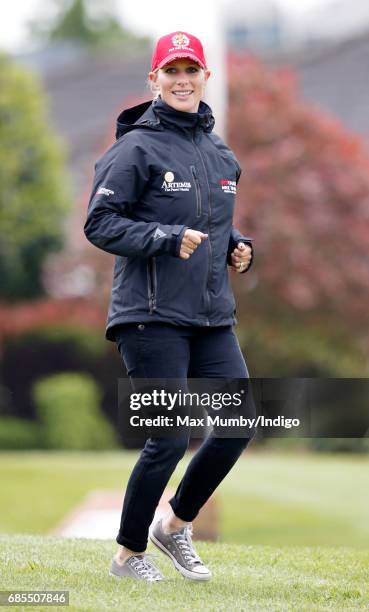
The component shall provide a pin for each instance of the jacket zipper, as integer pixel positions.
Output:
(208, 240)
(151, 283)
(198, 191)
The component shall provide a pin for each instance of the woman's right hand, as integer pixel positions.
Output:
(190, 241)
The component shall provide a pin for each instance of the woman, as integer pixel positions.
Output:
(162, 202)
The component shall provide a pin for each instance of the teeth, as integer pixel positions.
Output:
(182, 93)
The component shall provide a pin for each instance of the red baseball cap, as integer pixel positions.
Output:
(176, 45)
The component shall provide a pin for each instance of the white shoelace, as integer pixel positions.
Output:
(146, 568)
(185, 543)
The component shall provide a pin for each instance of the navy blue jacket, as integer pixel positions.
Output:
(165, 173)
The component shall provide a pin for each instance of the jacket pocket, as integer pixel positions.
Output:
(151, 283)
(198, 191)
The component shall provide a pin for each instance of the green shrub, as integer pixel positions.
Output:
(84, 340)
(19, 434)
(68, 407)
(340, 445)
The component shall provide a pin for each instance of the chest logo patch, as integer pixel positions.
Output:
(228, 186)
(169, 184)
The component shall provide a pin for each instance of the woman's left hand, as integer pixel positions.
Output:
(241, 257)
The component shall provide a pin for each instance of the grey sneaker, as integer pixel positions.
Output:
(178, 546)
(136, 566)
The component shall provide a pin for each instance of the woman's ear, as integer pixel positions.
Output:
(152, 76)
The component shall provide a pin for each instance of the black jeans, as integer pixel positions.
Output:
(155, 350)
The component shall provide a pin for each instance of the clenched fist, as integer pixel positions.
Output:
(241, 257)
(190, 241)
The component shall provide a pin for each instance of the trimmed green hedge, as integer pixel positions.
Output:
(19, 434)
(68, 407)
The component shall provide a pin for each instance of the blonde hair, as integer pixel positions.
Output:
(154, 89)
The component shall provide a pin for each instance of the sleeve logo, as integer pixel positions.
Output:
(159, 234)
(228, 186)
(104, 191)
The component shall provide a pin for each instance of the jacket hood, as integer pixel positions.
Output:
(157, 114)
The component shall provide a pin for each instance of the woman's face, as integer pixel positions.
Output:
(181, 84)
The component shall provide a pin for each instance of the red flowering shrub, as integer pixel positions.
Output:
(304, 196)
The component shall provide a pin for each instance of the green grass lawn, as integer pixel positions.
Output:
(263, 578)
(267, 498)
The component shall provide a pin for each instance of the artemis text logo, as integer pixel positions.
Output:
(170, 185)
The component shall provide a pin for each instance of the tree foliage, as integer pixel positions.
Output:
(74, 21)
(33, 196)
(304, 196)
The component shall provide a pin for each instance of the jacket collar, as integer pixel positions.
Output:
(186, 121)
(158, 115)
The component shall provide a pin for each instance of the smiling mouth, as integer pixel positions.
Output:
(182, 94)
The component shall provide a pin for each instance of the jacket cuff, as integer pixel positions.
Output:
(177, 236)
